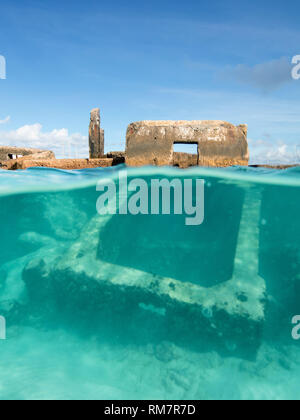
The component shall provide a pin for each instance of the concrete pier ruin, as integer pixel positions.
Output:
(96, 135)
(219, 143)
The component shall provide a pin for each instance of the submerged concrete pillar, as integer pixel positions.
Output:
(96, 136)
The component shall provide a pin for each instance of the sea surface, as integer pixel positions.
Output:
(144, 306)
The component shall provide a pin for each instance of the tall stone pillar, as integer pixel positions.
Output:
(96, 136)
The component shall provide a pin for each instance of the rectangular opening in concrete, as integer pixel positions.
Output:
(191, 149)
(185, 155)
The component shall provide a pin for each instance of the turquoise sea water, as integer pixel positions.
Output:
(145, 307)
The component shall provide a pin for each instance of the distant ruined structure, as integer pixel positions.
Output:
(9, 155)
(219, 143)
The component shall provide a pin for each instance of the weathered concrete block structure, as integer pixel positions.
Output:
(219, 143)
(10, 155)
(96, 136)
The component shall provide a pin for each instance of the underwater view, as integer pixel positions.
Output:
(124, 306)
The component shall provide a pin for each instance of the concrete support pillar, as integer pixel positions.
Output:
(96, 136)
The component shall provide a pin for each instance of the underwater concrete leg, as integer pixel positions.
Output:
(229, 316)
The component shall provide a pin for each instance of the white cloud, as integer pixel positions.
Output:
(6, 120)
(266, 152)
(60, 141)
(266, 76)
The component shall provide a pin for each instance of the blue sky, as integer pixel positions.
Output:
(149, 60)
